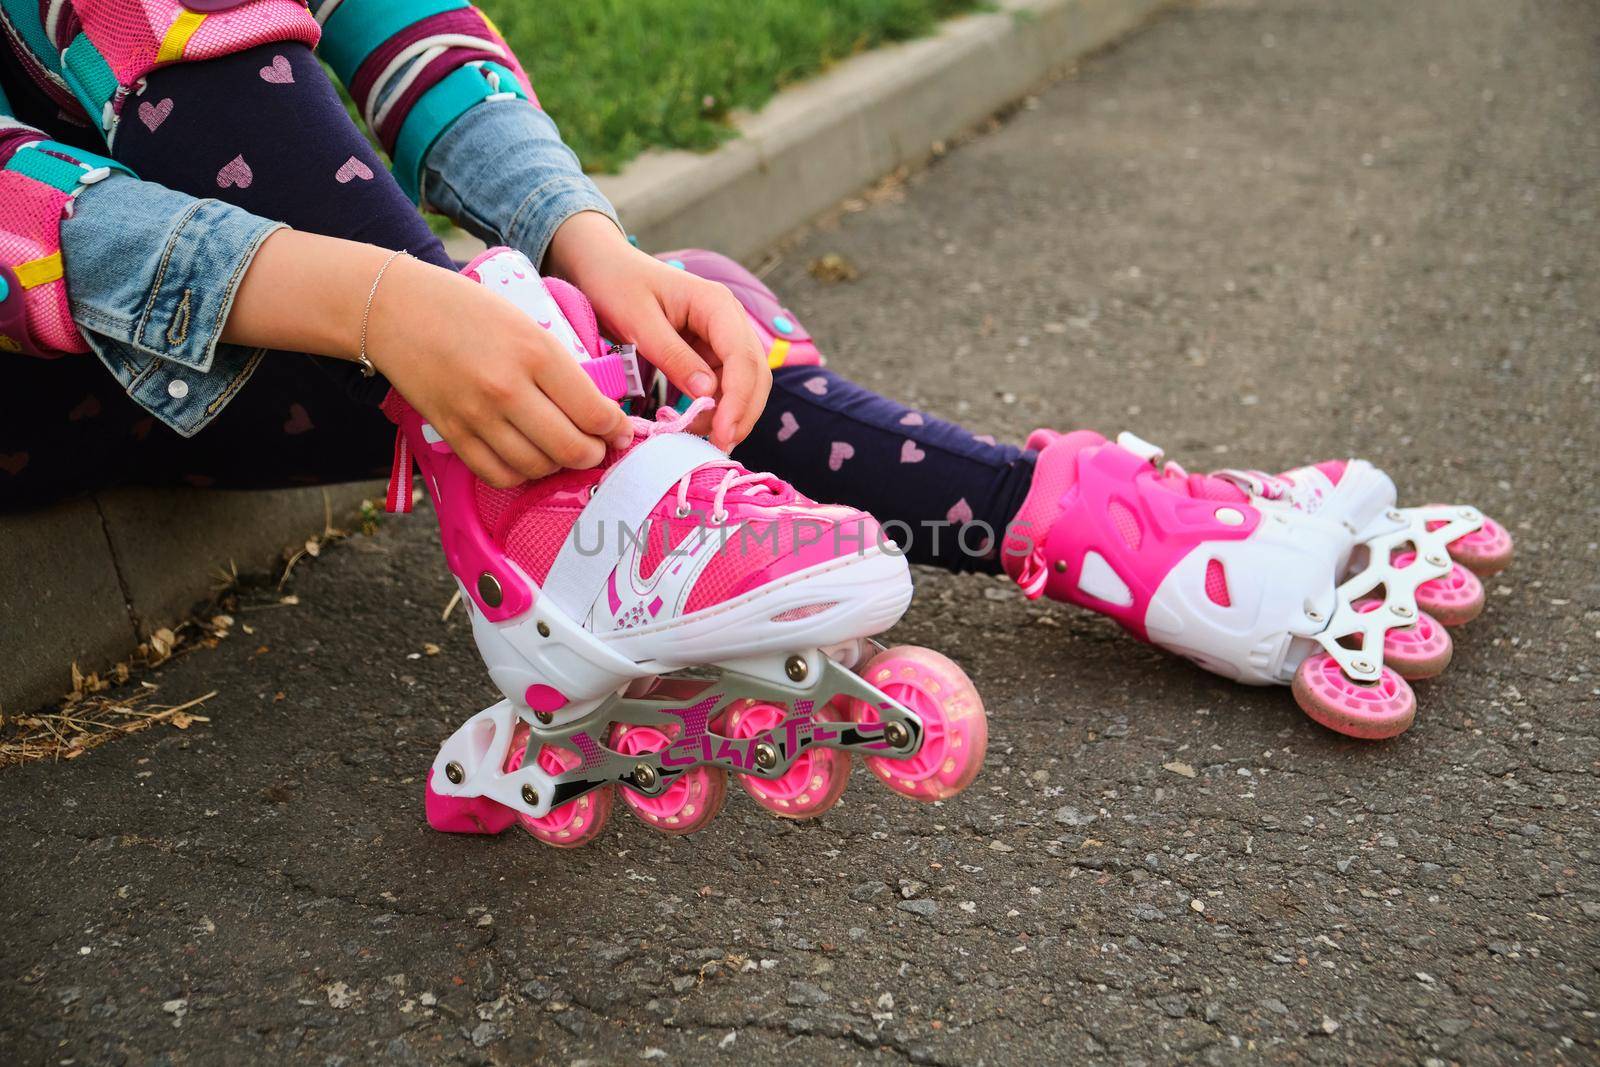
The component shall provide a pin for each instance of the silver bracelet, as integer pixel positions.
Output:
(367, 369)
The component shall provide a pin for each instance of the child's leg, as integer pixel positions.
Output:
(940, 490)
(944, 493)
(78, 432)
(265, 129)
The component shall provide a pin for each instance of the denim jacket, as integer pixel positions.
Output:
(152, 274)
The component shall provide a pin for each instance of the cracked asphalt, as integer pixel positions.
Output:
(1259, 233)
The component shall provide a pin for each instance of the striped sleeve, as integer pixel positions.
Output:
(414, 67)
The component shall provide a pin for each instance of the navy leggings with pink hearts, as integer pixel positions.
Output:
(283, 143)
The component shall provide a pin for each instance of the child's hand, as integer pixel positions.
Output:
(691, 329)
(509, 399)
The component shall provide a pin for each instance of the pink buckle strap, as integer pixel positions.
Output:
(616, 374)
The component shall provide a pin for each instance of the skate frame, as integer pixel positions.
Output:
(1394, 531)
(680, 704)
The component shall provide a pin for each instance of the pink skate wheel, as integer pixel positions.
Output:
(689, 803)
(465, 815)
(575, 823)
(955, 731)
(1421, 650)
(1485, 551)
(812, 784)
(1455, 599)
(1372, 711)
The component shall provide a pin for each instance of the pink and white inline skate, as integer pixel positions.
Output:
(1312, 578)
(591, 591)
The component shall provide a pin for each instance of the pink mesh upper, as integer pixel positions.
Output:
(1210, 487)
(494, 503)
(1217, 584)
(779, 531)
(534, 540)
(736, 562)
(1054, 476)
(1126, 525)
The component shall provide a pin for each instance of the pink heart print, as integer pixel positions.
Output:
(13, 462)
(842, 450)
(153, 115)
(985, 438)
(910, 453)
(816, 387)
(278, 72)
(911, 418)
(788, 426)
(299, 420)
(960, 512)
(237, 172)
(352, 169)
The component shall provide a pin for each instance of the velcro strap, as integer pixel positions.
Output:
(622, 502)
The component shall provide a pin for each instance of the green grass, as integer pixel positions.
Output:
(620, 76)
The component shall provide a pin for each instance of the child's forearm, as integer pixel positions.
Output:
(305, 293)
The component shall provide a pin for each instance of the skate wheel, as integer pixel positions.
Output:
(1373, 711)
(575, 823)
(812, 784)
(1485, 551)
(955, 731)
(689, 803)
(1455, 599)
(1421, 650)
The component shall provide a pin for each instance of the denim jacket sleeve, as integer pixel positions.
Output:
(151, 278)
(503, 173)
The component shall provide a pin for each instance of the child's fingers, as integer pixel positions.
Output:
(720, 319)
(482, 461)
(516, 451)
(543, 425)
(673, 356)
(591, 411)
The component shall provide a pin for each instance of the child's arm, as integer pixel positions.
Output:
(419, 338)
(449, 102)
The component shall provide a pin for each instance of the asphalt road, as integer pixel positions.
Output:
(1259, 233)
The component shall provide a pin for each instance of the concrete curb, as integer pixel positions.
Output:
(86, 581)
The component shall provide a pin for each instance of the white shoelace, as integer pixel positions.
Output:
(667, 421)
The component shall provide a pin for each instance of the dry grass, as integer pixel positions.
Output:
(89, 716)
(89, 722)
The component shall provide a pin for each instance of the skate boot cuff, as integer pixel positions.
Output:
(1055, 476)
